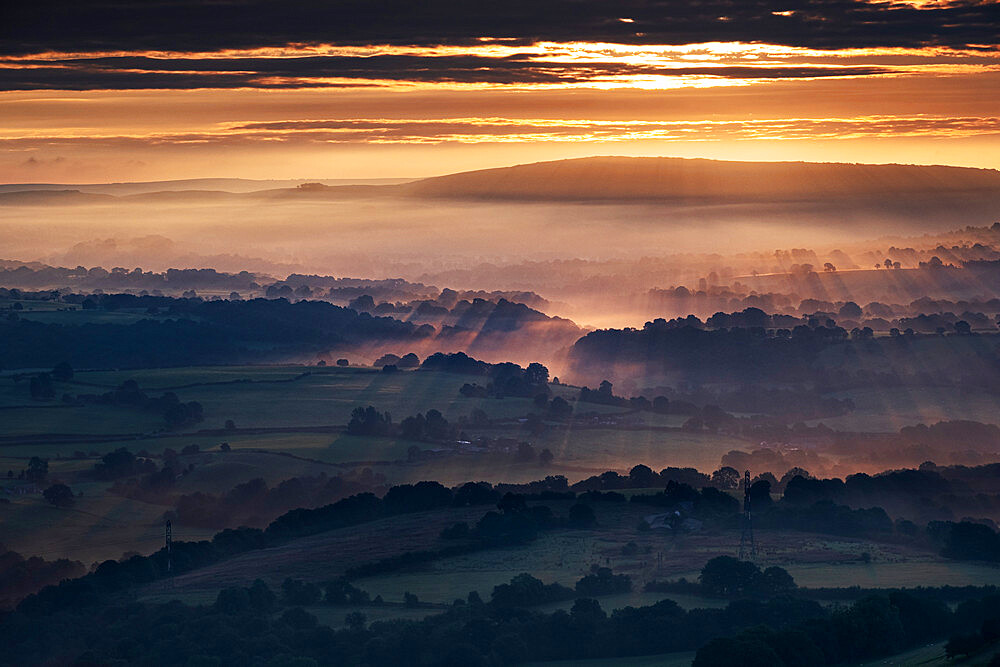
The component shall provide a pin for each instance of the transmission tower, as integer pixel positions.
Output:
(168, 545)
(748, 548)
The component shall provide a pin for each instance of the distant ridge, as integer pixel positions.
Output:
(232, 185)
(680, 178)
(612, 179)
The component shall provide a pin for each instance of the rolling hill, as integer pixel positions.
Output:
(584, 179)
(678, 178)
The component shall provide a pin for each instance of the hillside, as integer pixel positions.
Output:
(678, 178)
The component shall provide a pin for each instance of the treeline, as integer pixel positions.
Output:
(873, 627)
(782, 632)
(196, 331)
(386, 294)
(924, 494)
(120, 278)
(756, 354)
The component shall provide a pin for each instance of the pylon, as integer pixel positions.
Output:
(748, 548)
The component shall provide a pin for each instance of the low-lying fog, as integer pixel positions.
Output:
(410, 237)
(469, 244)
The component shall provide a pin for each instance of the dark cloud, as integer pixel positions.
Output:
(197, 25)
(131, 72)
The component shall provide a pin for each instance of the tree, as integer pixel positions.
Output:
(725, 575)
(409, 360)
(369, 421)
(760, 495)
(230, 425)
(343, 362)
(726, 477)
(38, 470)
(776, 581)
(851, 310)
(59, 495)
(560, 409)
(642, 476)
(536, 374)
(829, 268)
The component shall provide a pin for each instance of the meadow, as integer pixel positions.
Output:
(289, 422)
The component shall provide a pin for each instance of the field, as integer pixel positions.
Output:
(563, 556)
(887, 411)
(289, 422)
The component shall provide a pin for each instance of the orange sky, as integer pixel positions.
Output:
(328, 110)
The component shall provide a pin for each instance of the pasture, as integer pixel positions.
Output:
(880, 410)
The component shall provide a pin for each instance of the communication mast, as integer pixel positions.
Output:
(748, 548)
(168, 545)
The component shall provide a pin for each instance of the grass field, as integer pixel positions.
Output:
(273, 396)
(887, 411)
(79, 420)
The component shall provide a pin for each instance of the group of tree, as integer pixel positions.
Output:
(409, 360)
(176, 413)
(754, 354)
(504, 379)
(525, 590)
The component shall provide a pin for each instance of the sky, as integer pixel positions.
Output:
(124, 91)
